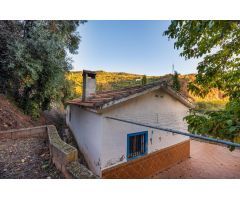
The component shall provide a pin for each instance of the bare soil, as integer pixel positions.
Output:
(12, 117)
(23, 158)
(26, 158)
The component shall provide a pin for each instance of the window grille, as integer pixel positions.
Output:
(136, 144)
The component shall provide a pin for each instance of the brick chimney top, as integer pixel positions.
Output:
(89, 84)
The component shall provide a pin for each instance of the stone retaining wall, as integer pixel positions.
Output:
(38, 131)
(77, 170)
(60, 152)
(63, 155)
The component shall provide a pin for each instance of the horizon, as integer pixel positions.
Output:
(133, 46)
(125, 72)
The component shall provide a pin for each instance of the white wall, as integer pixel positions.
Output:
(156, 108)
(87, 129)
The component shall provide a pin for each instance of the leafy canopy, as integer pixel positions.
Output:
(34, 59)
(217, 44)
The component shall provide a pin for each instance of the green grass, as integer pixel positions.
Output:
(211, 105)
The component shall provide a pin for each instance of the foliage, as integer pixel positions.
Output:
(175, 82)
(223, 124)
(118, 80)
(217, 44)
(108, 81)
(34, 60)
(144, 80)
(213, 105)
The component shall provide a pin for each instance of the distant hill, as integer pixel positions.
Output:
(214, 100)
(108, 80)
(117, 80)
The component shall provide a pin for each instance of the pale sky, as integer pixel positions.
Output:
(129, 46)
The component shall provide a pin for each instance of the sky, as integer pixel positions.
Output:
(137, 47)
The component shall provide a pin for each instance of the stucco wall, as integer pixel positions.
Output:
(87, 129)
(157, 108)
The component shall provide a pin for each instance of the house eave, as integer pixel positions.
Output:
(105, 106)
(178, 96)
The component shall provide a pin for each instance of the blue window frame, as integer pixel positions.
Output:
(137, 144)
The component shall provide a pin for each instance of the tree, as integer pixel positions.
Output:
(217, 44)
(9, 31)
(144, 80)
(175, 82)
(34, 60)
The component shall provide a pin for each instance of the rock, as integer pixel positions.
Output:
(44, 166)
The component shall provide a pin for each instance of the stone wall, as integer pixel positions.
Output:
(38, 131)
(77, 170)
(63, 155)
(60, 152)
(147, 166)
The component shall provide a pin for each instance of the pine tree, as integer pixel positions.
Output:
(144, 80)
(175, 82)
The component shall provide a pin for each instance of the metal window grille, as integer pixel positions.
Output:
(137, 144)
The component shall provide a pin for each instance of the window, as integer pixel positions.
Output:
(136, 144)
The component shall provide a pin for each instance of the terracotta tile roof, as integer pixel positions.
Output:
(108, 98)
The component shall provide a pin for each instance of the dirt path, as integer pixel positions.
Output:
(26, 158)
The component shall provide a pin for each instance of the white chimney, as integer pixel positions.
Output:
(89, 84)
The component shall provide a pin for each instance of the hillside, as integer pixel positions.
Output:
(214, 100)
(108, 80)
(116, 80)
(12, 117)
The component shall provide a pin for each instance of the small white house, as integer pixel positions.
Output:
(116, 149)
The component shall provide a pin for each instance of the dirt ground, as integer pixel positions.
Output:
(26, 158)
(12, 117)
(207, 161)
(23, 158)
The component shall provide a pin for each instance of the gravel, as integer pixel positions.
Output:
(26, 158)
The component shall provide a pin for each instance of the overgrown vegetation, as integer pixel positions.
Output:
(175, 82)
(217, 44)
(34, 59)
(113, 80)
(144, 80)
(108, 80)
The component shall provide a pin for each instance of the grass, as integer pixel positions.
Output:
(211, 105)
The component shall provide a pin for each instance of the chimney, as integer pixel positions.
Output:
(89, 84)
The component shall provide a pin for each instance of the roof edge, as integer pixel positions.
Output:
(178, 96)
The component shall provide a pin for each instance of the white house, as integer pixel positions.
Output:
(116, 149)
